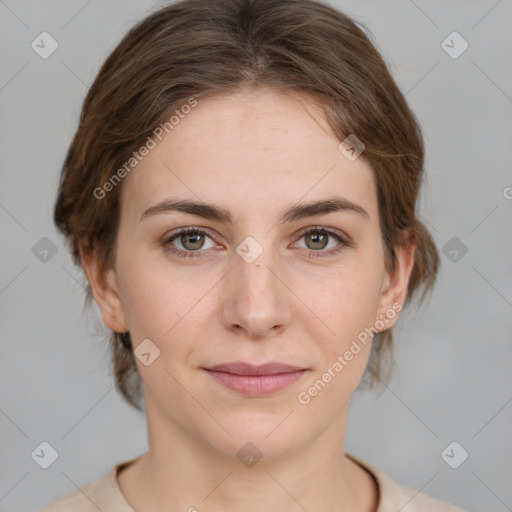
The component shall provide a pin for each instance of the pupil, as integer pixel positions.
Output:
(318, 237)
(194, 238)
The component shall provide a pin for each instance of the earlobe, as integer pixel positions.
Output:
(105, 290)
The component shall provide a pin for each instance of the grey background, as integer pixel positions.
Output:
(452, 380)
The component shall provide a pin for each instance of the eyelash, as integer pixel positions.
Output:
(343, 243)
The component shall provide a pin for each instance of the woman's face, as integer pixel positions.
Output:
(256, 289)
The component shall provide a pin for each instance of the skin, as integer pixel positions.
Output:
(254, 153)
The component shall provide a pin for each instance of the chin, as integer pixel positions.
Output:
(258, 436)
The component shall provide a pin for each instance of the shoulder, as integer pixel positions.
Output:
(101, 494)
(394, 496)
(82, 499)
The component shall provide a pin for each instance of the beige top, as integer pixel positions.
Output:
(104, 494)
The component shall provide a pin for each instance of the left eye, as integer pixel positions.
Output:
(318, 239)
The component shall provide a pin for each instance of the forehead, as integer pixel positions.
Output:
(249, 151)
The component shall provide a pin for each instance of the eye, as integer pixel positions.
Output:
(317, 239)
(191, 240)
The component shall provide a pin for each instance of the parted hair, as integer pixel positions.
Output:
(202, 48)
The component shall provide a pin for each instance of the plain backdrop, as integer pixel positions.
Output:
(452, 380)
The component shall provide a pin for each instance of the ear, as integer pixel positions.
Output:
(105, 290)
(394, 286)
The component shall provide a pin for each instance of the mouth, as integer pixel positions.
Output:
(254, 380)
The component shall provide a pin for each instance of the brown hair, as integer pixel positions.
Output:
(199, 48)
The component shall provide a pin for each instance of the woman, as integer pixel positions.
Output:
(241, 193)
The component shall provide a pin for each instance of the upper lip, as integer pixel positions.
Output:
(241, 368)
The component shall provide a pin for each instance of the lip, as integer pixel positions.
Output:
(255, 380)
(242, 368)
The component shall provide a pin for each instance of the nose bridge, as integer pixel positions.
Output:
(256, 299)
(255, 280)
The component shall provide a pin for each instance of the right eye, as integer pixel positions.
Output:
(191, 240)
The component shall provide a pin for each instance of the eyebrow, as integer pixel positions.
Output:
(218, 213)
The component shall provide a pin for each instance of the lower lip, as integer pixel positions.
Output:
(256, 384)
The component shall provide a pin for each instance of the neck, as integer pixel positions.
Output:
(182, 472)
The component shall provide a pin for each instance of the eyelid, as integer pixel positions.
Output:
(168, 238)
(331, 231)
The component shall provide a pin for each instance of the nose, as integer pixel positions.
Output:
(256, 300)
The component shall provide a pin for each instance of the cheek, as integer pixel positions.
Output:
(145, 295)
(158, 302)
(346, 301)
(347, 305)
